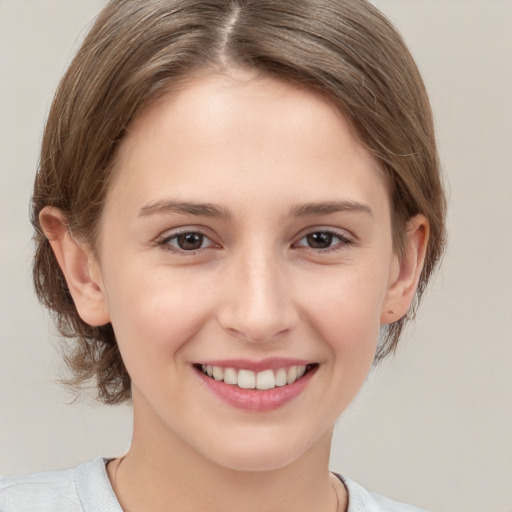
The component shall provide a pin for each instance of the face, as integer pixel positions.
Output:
(247, 235)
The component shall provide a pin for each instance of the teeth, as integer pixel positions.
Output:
(281, 377)
(292, 375)
(265, 380)
(218, 373)
(247, 379)
(230, 376)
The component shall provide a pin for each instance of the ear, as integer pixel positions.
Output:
(406, 271)
(79, 267)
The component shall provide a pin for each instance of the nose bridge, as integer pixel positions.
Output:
(257, 304)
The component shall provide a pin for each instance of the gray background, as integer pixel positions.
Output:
(433, 425)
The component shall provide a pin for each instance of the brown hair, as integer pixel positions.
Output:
(138, 50)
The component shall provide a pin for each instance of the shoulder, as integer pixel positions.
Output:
(361, 500)
(48, 491)
(82, 489)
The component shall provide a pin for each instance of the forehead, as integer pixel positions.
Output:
(226, 135)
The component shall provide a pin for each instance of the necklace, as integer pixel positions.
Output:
(338, 509)
(114, 479)
(116, 490)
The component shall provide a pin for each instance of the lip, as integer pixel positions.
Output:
(253, 399)
(272, 363)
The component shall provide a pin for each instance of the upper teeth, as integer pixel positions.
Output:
(247, 379)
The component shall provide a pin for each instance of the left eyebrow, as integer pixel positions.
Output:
(184, 207)
(329, 207)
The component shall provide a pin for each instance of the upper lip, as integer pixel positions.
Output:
(272, 363)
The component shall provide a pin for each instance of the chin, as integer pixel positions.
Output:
(260, 460)
(259, 454)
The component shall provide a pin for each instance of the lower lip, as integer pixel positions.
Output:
(254, 399)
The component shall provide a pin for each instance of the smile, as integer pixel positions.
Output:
(262, 380)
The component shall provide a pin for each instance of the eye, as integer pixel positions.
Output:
(186, 241)
(323, 240)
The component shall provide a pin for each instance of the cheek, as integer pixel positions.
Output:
(345, 311)
(154, 313)
(346, 300)
(351, 329)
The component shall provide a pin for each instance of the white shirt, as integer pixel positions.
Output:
(87, 488)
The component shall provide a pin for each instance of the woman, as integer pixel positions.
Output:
(238, 207)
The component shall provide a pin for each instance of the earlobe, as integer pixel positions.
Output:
(78, 266)
(404, 280)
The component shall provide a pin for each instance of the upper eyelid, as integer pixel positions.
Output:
(343, 233)
(164, 243)
(163, 240)
(173, 232)
(345, 241)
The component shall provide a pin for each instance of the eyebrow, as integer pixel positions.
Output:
(329, 207)
(185, 207)
(212, 210)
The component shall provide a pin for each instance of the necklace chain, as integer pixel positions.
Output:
(116, 490)
(336, 494)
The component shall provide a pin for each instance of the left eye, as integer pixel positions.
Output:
(322, 240)
(188, 241)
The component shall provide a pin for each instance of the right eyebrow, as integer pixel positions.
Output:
(184, 207)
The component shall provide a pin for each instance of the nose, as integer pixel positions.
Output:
(257, 298)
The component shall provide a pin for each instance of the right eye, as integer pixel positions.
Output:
(186, 242)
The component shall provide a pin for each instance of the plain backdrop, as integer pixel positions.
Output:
(433, 425)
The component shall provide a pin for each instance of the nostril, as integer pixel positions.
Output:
(257, 334)
(255, 303)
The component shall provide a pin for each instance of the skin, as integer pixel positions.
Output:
(259, 150)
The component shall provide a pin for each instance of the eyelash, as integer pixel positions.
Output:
(343, 241)
(165, 242)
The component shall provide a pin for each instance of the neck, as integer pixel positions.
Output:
(161, 473)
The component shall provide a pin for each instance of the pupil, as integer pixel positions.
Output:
(190, 241)
(319, 240)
